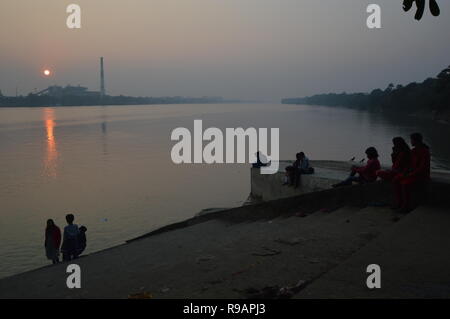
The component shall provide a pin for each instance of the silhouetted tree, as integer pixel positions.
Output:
(420, 4)
(433, 95)
(390, 87)
(444, 75)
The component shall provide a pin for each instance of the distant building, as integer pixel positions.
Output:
(60, 91)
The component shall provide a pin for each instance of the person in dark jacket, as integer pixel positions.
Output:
(70, 239)
(416, 177)
(294, 171)
(52, 241)
(302, 167)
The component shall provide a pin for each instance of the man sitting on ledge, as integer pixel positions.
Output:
(299, 167)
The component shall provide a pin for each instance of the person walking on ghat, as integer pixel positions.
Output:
(52, 241)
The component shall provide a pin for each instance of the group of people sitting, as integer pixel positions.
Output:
(410, 170)
(299, 167)
(74, 240)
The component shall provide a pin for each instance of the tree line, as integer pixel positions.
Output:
(432, 95)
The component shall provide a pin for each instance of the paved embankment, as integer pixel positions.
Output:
(413, 256)
(323, 240)
(214, 259)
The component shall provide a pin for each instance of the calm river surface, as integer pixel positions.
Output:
(111, 165)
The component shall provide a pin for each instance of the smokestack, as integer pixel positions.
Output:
(102, 79)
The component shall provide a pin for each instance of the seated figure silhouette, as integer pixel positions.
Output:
(420, 4)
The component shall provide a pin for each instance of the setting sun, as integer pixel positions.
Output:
(47, 72)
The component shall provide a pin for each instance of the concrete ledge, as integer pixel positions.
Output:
(315, 193)
(270, 187)
(357, 195)
(327, 173)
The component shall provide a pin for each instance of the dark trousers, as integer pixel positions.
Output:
(294, 175)
(352, 178)
(69, 249)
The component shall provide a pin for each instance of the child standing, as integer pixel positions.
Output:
(82, 240)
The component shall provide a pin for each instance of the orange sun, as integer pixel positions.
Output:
(47, 72)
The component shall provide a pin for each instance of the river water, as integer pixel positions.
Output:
(111, 165)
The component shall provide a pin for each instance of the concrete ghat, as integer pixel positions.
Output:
(270, 187)
(327, 173)
(224, 252)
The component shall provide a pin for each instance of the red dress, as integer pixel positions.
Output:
(417, 177)
(369, 172)
(420, 166)
(400, 166)
(52, 242)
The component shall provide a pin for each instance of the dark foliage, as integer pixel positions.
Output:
(420, 5)
(432, 95)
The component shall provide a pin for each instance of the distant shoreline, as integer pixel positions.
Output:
(429, 99)
(68, 101)
(438, 117)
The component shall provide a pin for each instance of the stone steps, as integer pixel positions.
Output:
(413, 256)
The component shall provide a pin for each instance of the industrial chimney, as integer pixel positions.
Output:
(102, 79)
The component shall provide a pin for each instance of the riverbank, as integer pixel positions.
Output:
(301, 241)
(438, 116)
(217, 256)
(36, 100)
(428, 99)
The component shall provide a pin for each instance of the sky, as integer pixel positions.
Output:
(245, 49)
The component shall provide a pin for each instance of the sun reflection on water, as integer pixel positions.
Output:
(51, 156)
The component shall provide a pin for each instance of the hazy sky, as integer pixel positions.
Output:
(266, 49)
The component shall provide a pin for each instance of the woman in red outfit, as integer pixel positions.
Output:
(52, 241)
(417, 176)
(401, 160)
(364, 174)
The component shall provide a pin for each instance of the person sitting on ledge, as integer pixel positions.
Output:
(299, 167)
(305, 168)
(261, 160)
(291, 171)
(401, 160)
(417, 176)
(365, 174)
